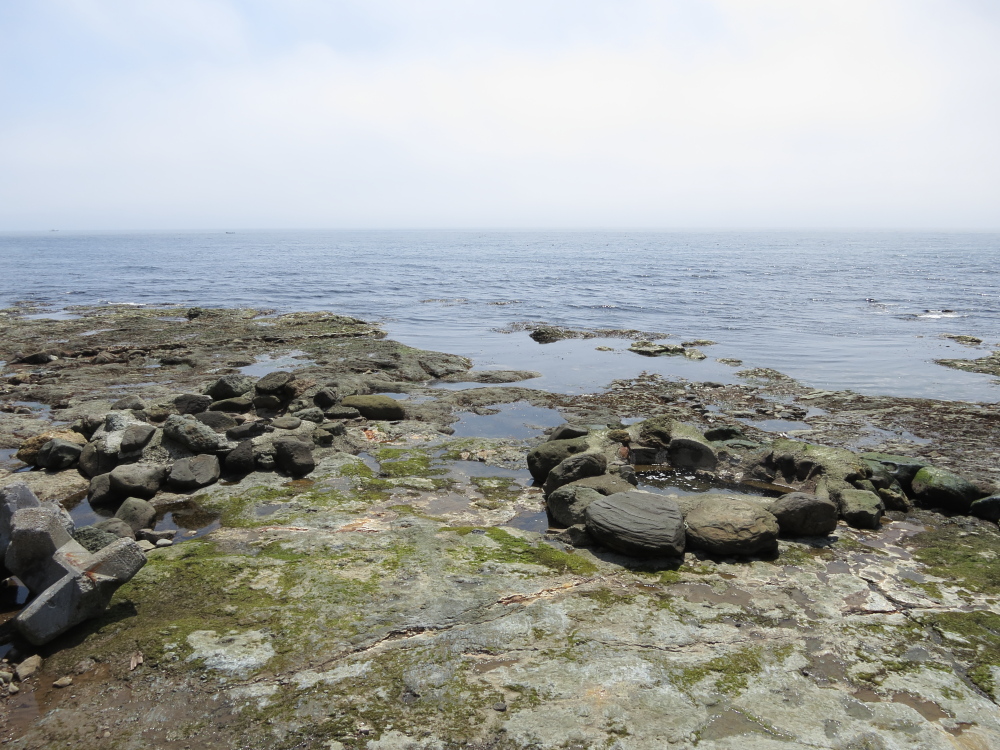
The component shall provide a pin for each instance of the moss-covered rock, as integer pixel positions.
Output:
(940, 488)
(861, 509)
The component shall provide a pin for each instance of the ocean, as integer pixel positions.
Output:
(837, 310)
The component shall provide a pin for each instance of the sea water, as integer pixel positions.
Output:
(860, 310)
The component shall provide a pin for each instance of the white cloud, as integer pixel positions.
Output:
(854, 113)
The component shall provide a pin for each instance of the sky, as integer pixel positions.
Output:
(190, 114)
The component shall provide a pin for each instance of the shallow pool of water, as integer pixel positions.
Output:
(518, 420)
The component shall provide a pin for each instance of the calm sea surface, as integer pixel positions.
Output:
(837, 310)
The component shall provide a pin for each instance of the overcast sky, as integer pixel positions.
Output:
(150, 114)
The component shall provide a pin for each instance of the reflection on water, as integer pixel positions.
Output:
(265, 363)
(517, 420)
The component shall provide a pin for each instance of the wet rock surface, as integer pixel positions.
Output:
(400, 597)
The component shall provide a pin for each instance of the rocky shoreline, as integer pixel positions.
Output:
(336, 553)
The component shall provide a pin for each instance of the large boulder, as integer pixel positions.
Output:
(217, 420)
(639, 524)
(605, 484)
(939, 488)
(862, 509)
(818, 468)
(192, 434)
(137, 480)
(376, 407)
(294, 456)
(545, 457)
(573, 468)
(725, 525)
(230, 386)
(41, 549)
(803, 514)
(568, 504)
(194, 473)
(58, 454)
(680, 444)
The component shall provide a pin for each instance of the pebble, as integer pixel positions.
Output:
(63, 682)
(165, 543)
(501, 706)
(6, 677)
(13, 689)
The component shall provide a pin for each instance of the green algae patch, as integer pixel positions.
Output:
(731, 672)
(975, 637)
(969, 560)
(407, 462)
(496, 491)
(511, 549)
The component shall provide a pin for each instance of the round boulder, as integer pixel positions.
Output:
(547, 456)
(639, 524)
(568, 504)
(804, 514)
(730, 526)
(137, 480)
(137, 513)
(58, 454)
(988, 508)
(194, 473)
(573, 468)
(274, 382)
(294, 456)
(937, 487)
(230, 386)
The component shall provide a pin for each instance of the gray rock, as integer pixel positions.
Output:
(192, 434)
(274, 382)
(217, 420)
(230, 386)
(247, 430)
(573, 468)
(988, 508)
(803, 514)
(267, 402)
(548, 455)
(342, 412)
(79, 595)
(41, 550)
(724, 432)
(376, 407)
(237, 405)
(286, 423)
(265, 462)
(58, 454)
(116, 421)
(117, 527)
(312, 414)
(100, 492)
(27, 668)
(861, 509)
(137, 513)
(13, 497)
(240, 461)
(569, 432)
(129, 403)
(95, 460)
(605, 484)
(294, 457)
(567, 505)
(325, 398)
(649, 349)
(192, 403)
(334, 428)
(726, 525)
(576, 535)
(136, 437)
(939, 488)
(639, 524)
(194, 473)
(93, 539)
(137, 480)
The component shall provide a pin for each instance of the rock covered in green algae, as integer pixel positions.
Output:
(548, 455)
(937, 487)
(861, 509)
